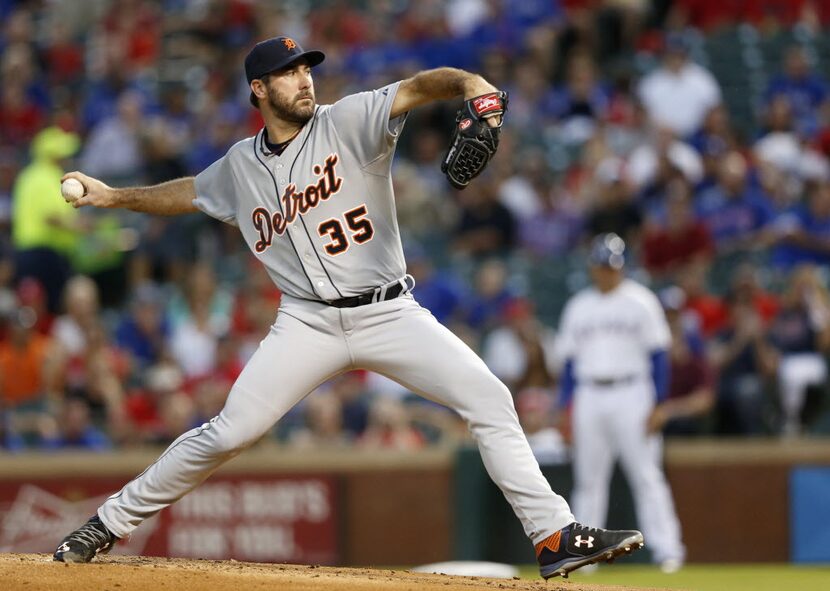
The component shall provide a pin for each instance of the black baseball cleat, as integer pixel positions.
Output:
(83, 544)
(578, 545)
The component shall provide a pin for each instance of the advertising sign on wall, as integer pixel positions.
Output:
(250, 518)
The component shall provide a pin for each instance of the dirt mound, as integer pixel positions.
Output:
(31, 572)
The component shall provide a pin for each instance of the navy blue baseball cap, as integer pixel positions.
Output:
(607, 250)
(276, 53)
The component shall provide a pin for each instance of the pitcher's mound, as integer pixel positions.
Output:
(31, 572)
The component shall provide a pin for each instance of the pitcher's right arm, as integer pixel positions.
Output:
(170, 198)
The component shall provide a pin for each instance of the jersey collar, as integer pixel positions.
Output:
(263, 146)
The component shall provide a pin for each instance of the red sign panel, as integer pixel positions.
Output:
(250, 518)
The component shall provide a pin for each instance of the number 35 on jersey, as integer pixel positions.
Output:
(294, 203)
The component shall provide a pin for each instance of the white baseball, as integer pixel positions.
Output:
(72, 189)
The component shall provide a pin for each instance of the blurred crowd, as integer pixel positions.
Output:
(121, 329)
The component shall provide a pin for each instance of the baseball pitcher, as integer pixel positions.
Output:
(311, 194)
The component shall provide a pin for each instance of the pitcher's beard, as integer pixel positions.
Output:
(287, 111)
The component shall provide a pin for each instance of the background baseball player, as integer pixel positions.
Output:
(614, 340)
(311, 194)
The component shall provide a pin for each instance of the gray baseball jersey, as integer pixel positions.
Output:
(320, 216)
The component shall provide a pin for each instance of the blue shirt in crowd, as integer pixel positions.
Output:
(731, 217)
(791, 255)
(805, 96)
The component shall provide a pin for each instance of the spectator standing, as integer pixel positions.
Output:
(45, 229)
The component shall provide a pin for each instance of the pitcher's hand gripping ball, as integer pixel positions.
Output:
(474, 141)
(72, 189)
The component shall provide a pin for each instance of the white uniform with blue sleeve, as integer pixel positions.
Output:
(321, 217)
(608, 340)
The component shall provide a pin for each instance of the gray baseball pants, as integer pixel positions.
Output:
(311, 342)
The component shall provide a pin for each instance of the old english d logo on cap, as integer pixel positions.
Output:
(275, 53)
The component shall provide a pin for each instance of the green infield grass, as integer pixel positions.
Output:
(702, 577)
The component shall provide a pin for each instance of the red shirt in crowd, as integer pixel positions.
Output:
(708, 14)
(664, 250)
(713, 311)
(689, 375)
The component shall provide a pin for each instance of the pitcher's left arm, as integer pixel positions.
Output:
(438, 84)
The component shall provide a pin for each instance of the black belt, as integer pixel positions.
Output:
(380, 294)
(609, 382)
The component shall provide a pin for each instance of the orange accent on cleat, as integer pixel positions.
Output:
(552, 543)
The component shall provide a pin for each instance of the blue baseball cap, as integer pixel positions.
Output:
(607, 250)
(274, 54)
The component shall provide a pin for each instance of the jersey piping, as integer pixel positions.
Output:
(302, 219)
(279, 204)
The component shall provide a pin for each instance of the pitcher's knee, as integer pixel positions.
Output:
(491, 411)
(492, 396)
(230, 440)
